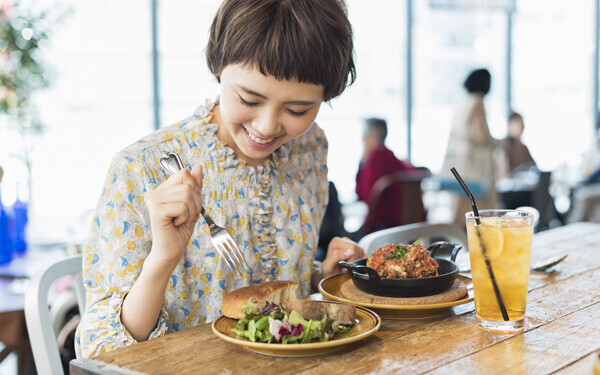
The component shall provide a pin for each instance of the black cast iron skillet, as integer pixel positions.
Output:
(368, 280)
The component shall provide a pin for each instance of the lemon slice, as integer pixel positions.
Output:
(492, 238)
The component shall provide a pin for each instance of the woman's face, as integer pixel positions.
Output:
(257, 113)
(515, 128)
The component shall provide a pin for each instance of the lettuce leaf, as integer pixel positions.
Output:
(250, 308)
(295, 318)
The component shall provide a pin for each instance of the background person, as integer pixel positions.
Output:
(470, 149)
(520, 176)
(332, 225)
(378, 161)
(516, 152)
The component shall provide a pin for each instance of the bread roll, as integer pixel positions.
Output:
(278, 291)
(316, 310)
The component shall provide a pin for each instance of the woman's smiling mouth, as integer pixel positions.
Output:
(260, 141)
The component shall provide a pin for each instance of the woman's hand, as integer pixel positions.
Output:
(340, 249)
(174, 208)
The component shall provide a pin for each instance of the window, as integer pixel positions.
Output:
(552, 79)
(100, 102)
(379, 91)
(185, 81)
(448, 44)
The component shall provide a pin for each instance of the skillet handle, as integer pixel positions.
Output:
(373, 275)
(445, 247)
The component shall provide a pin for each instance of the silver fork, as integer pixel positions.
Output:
(220, 238)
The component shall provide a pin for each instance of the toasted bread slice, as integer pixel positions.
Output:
(278, 291)
(316, 310)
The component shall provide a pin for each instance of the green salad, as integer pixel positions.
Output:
(275, 325)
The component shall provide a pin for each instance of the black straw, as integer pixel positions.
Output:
(483, 251)
(469, 194)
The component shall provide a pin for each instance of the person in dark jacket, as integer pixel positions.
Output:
(378, 161)
(517, 154)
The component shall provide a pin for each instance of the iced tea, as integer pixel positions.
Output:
(506, 236)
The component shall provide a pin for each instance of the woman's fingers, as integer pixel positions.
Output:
(349, 254)
(197, 175)
(182, 194)
(341, 249)
(185, 177)
(178, 212)
(350, 249)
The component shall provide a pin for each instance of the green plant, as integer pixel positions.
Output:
(23, 72)
(24, 34)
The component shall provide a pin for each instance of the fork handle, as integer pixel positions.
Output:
(209, 221)
(171, 162)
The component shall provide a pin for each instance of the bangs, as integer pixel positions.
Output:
(285, 40)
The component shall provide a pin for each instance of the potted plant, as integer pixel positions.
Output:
(23, 73)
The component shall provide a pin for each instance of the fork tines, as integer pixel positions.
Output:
(233, 256)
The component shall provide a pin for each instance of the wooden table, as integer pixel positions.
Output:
(561, 335)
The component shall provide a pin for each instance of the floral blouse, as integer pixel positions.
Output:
(273, 212)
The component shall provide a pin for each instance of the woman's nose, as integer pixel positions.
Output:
(267, 123)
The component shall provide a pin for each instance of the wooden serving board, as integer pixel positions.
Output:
(457, 291)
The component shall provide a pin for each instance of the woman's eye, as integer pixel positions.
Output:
(247, 103)
(297, 114)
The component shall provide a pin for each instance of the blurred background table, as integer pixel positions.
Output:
(560, 336)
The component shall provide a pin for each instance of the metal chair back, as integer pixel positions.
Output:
(39, 318)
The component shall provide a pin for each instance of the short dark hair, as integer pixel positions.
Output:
(306, 40)
(377, 126)
(478, 81)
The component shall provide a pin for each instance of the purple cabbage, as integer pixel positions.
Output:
(285, 330)
(279, 328)
(297, 330)
(271, 308)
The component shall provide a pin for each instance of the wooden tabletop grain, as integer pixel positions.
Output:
(561, 335)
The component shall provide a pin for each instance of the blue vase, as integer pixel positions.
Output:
(19, 211)
(6, 245)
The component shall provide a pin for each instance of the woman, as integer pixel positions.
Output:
(471, 148)
(255, 161)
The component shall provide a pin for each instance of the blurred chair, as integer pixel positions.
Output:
(424, 232)
(585, 204)
(396, 199)
(549, 216)
(529, 186)
(39, 316)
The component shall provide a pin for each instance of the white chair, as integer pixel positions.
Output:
(39, 317)
(426, 233)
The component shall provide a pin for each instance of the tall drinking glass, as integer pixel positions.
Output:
(500, 253)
